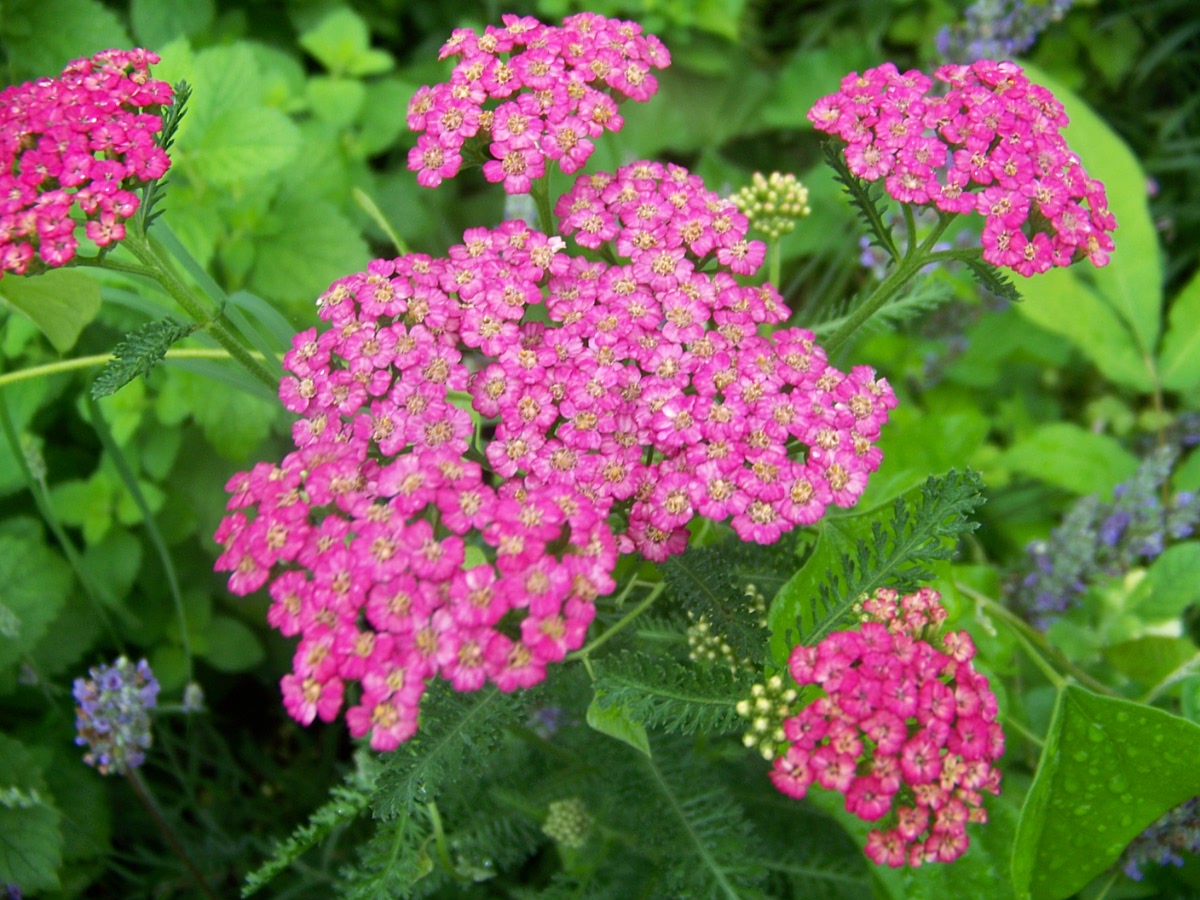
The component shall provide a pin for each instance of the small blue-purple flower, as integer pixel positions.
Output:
(112, 715)
(1163, 842)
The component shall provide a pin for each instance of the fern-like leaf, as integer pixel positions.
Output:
(390, 863)
(710, 853)
(138, 353)
(153, 191)
(661, 692)
(710, 583)
(346, 802)
(866, 197)
(898, 555)
(922, 297)
(457, 732)
(993, 280)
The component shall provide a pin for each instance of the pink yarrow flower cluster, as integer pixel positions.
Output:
(531, 93)
(640, 395)
(393, 556)
(85, 140)
(988, 141)
(906, 729)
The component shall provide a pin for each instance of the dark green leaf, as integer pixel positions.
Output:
(59, 302)
(138, 353)
(30, 840)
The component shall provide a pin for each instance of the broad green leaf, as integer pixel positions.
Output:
(157, 22)
(1150, 659)
(383, 114)
(616, 722)
(1072, 458)
(313, 245)
(24, 399)
(233, 422)
(114, 562)
(1059, 301)
(1109, 768)
(64, 647)
(60, 303)
(86, 504)
(243, 144)
(805, 78)
(169, 663)
(34, 581)
(232, 646)
(30, 839)
(41, 36)
(341, 42)
(1187, 475)
(1179, 362)
(1132, 281)
(87, 827)
(1170, 585)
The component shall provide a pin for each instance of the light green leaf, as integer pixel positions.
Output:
(341, 42)
(41, 36)
(232, 646)
(60, 303)
(1070, 457)
(616, 722)
(1109, 768)
(805, 78)
(30, 839)
(34, 581)
(157, 22)
(1179, 362)
(244, 144)
(337, 101)
(1170, 584)
(1132, 281)
(1150, 659)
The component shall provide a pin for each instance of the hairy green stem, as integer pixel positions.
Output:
(99, 359)
(143, 793)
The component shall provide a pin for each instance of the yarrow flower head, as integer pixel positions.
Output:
(530, 95)
(639, 396)
(989, 142)
(112, 715)
(906, 729)
(83, 141)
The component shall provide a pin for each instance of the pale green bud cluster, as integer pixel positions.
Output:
(767, 708)
(773, 203)
(568, 822)
(706, 646)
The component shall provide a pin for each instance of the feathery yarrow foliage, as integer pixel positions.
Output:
(990, 143)
(112, 714)
(83, 141)
(529, 93)
(906, 729)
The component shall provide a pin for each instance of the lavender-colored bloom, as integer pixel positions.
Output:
(1163, 842)
(112, 715)
(998, 29)
(1103, 539)
(14, 892)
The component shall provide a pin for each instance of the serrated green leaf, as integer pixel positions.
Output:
(41, 36)
(138, 353)
(617, 722)
(60, 303)
(158, 22)
(86, 504)
(30, 839)
(337, 101)
(233, 422)
(341, 42)
(1072, 458)
(1179, 361)
(317, 245)
(232, 646)
(34, 581)
(1109, 768)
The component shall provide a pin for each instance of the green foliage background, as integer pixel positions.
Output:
(289, 170)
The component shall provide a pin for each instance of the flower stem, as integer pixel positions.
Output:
(915, 258)
(540, 192)
(99, 359)
(584, 652)
(159, 268)
(143, 794)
